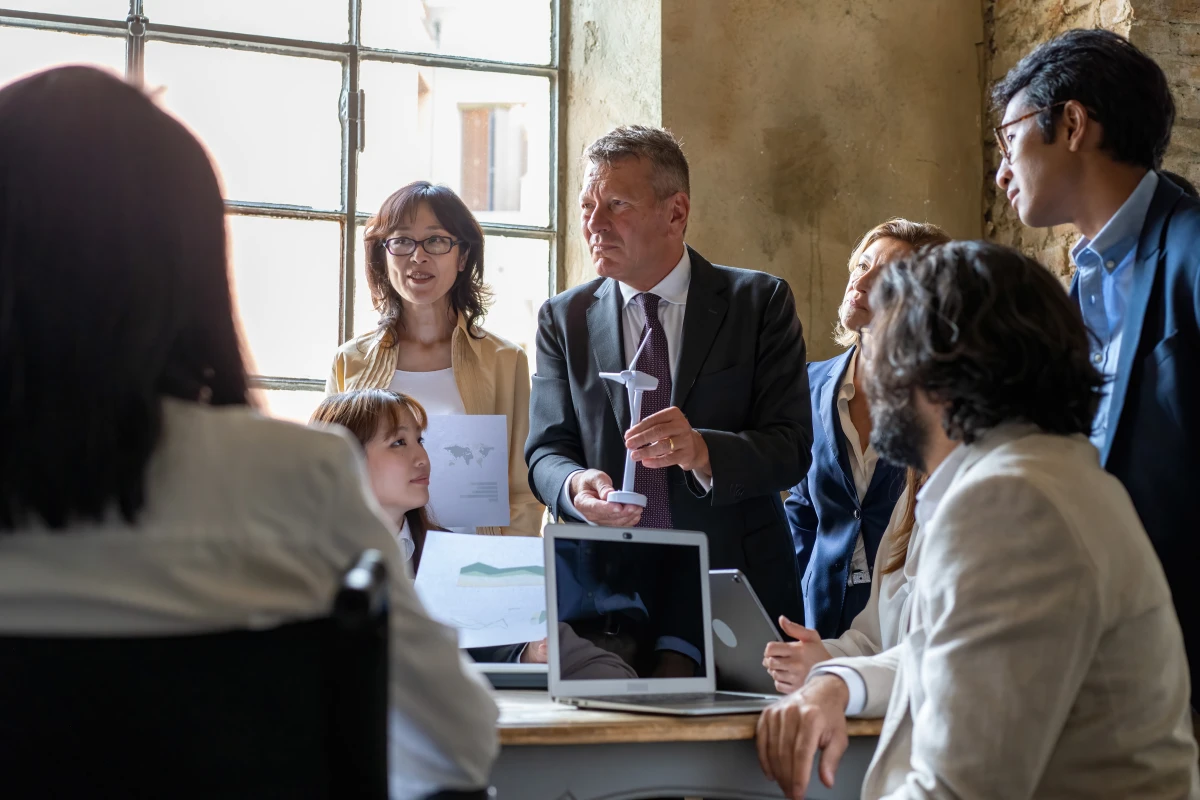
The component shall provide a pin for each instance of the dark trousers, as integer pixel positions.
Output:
(854, 602)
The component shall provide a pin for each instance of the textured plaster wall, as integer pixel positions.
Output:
(808, 122)
(613, 58)
(1167, 30)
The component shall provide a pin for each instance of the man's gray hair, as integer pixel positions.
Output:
(657, 145)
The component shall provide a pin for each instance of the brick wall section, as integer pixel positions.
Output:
(1166, 30)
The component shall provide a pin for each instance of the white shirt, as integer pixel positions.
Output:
(249, 523)
(405, 540)
(927, 502)
(862, 465)
(436, 391)
(673, 291)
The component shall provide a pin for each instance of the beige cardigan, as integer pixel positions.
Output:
(493, 378)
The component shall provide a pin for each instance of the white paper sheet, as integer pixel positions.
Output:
(492, 589)
(468, 469)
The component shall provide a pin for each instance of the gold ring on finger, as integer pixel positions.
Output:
(671, 442)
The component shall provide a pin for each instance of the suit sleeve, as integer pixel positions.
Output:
(776, 452)
(554, 448)
(1001, 645)
(525, 512)
(802, 519)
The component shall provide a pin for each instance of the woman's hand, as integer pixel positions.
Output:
(788, 663)
(534, 653)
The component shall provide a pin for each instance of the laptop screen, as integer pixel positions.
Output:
(629, 609)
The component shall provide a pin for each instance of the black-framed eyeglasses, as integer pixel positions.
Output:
(434, 245)
(1000, 141)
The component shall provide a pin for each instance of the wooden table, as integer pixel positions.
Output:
(550, 751)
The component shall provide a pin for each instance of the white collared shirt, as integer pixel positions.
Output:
(407, 545)
(673, 291)
(862, 465)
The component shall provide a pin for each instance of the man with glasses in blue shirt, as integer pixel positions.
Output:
(1086, 120)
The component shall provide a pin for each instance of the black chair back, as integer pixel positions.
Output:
(296, 711)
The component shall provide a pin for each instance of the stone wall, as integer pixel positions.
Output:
(1167, 30)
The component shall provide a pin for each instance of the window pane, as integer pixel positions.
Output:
(485, 135)
(24, 50)
(514, 30)
(286, 285)
(518, 271)
(270, 122)
(97, 9)
(313, 20)
(296, 406)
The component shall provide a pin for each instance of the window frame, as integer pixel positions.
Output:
(136, 29)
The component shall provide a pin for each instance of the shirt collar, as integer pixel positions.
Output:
(405, 540)
(846, 390)
(935, 488)
(1120, 234)
(671, 289)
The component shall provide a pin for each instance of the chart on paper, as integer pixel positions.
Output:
(468, 469)
(492, 589)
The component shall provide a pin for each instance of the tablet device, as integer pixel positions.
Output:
(741, 630)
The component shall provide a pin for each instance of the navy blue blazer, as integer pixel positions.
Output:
(823, 510)
(1154, 447)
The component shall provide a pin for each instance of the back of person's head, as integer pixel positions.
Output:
(469, 295)
(989, 333)
(114, 293)
(914, 234)
(1121, 87)
(1182, 182)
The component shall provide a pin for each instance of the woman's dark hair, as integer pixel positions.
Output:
(469, 295)
(1121, 87)
(368, 413)
(987, 331)
(114, 292)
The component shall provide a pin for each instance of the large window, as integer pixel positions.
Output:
(314, 112)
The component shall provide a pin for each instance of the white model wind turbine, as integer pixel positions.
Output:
(635, 383)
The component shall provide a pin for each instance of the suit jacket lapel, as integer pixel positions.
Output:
(832, 421)
(604, 333)
(1145, 267)
(706, 307)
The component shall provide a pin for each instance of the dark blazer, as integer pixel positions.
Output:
(740, 381)
(824, 511)
(1154, 447)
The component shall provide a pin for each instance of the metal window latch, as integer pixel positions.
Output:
(352, 111)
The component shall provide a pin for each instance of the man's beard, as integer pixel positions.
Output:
(898, 433)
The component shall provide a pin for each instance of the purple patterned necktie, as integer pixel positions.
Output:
(654, 361)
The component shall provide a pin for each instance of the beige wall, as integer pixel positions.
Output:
(613, 57)
(806, 123)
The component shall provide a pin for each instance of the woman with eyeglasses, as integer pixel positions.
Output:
(424, 254)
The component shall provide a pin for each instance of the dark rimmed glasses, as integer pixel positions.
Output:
(434, 245)
(1000, 141)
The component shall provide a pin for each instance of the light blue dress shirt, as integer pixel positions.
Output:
(1105, 270)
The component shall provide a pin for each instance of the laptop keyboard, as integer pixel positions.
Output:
(691, 700)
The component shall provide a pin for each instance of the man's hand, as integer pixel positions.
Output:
(666, 439)
(789, 662)
(534, 653)
(674, 665)
(588, 490)
(790, 731)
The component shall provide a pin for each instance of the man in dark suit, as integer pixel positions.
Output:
(1087, 119)
(728, 427)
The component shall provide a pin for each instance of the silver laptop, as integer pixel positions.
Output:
(741, 631)
(605, 583)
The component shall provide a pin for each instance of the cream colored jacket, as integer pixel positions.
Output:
(1042, 657)
(493, 378)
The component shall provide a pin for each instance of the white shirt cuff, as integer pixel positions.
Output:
(854, 682)
(705, 483)
(564, 497)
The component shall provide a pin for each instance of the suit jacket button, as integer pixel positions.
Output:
(857, 514)
(837, 564)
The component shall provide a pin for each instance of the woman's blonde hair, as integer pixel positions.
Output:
(368, 413)
(914, 234)
(913, 481)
